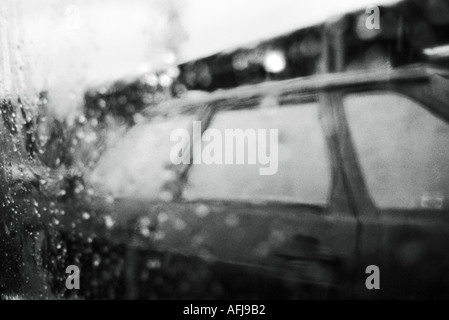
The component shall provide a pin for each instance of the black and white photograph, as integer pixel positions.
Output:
(224, 153)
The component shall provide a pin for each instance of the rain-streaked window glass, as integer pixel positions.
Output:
(100, 150)
(403, 150)
(303, 168)
(139, 164)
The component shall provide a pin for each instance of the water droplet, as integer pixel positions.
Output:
(109, 221)
(110, 199)
(153, 264)
(162, 217)
(144, 224)
(232, 220)
(166, 196)
(202, 211)
(180, 224)
(96, 260)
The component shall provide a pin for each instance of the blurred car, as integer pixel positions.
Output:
(363, 179)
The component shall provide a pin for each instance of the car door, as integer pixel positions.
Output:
(291, 234)
(396, 157)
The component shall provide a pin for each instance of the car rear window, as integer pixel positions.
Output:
(403, 150)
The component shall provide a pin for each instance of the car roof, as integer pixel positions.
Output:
(318, 82)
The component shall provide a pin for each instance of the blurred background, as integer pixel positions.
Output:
(65, 46)
(90, 91)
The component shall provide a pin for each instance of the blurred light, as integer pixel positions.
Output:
(144, 68)
(173, 71)
(170, 58)
(165, 80)
(151, 79)
(274, 61)
(240, 61)
(437, 52)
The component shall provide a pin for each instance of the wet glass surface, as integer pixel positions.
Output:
(90, 95)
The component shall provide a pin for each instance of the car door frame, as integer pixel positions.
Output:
(338, 206)
(374, 252)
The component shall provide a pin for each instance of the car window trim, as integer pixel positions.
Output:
(300, 98)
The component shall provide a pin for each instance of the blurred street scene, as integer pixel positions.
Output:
(134, 135)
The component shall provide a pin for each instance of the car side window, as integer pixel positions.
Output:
(403, 150)
(302, 173)
(138, 164)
